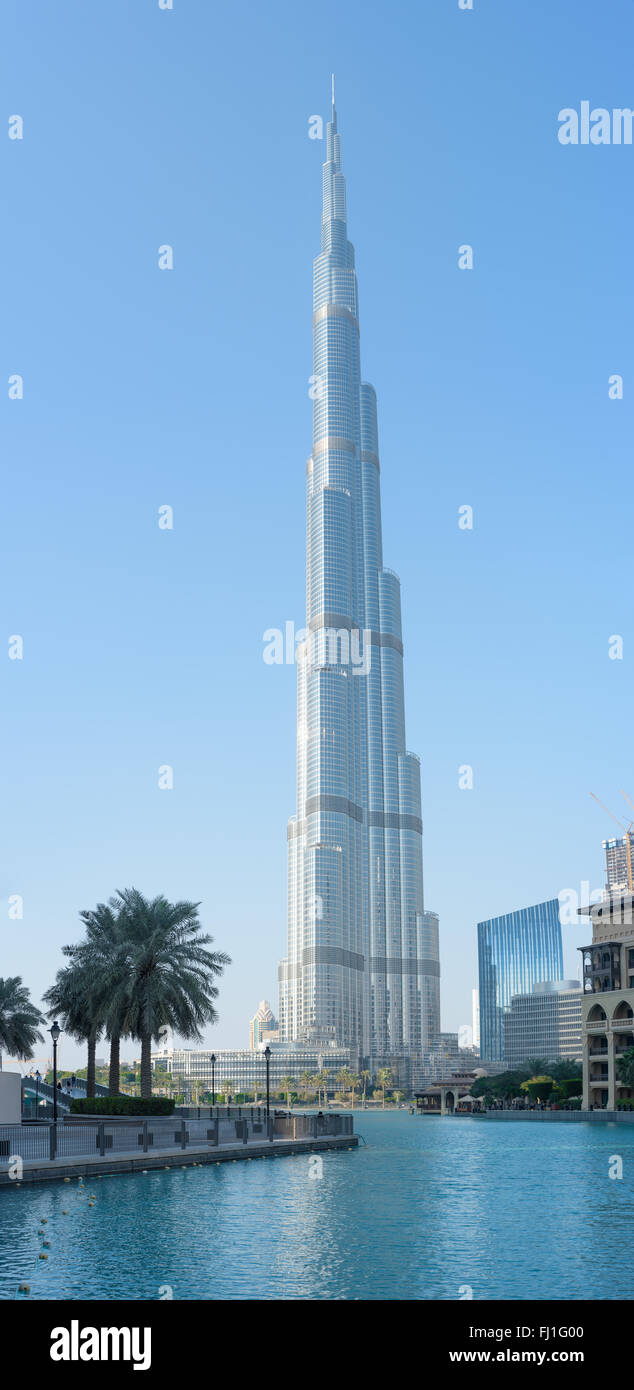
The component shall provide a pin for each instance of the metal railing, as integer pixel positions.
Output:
(42, 1142)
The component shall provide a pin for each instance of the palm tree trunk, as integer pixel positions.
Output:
(90, 1068)
(114, 1070)
(146, 1066)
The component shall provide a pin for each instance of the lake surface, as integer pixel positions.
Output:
(511, 1210)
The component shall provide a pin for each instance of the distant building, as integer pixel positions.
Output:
(429, 967)
(619, 862)
(515, 952)
(475, 1015)
(263, 1027)
(545, 1023)
(246, 1068)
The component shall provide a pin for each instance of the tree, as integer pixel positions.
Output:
(539, 1087)
(383, 1077)
(172, 975)
(73, 999)
(19, 1020)
(104, 954)
(343, 1078)
(536, 1067)
(322, 1084)
(353, 1082)
(625, 1067)
(397, 1096)
(227, 1090)
(286, 1086)
(365, 1077)
(306, 1080)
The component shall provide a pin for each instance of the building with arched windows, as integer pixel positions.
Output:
(608, 1001)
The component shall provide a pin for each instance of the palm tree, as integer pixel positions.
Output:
(365, 1077)
(306, 1079)
(73, 998)
(625, 1067)
(322, 1085)
(172, 975)
(105, 954)
(383, 1077)
(353, 1082)
(286, 1086)
(344, 1076)
(536, 1066)
(19, 1020)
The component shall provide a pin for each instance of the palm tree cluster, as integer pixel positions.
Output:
(142, 965)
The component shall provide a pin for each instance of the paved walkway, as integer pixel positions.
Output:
(35, 1170)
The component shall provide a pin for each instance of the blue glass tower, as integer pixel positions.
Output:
(360, 967)
(515, 952)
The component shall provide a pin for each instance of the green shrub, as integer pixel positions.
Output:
(539, 1088)
(569, 1086)
(122, 1105)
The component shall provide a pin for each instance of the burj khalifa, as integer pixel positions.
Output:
(362, 959)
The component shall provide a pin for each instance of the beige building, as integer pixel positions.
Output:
(608, 1000)
(263, 1027)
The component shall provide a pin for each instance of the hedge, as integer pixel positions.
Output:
(122, 1105)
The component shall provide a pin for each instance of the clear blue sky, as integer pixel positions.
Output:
(190, 388)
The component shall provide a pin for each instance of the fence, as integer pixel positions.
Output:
(42, 1142)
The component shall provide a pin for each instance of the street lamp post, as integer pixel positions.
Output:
(38, 1078)
(213, 1079)
(55, 1032)
(267, 1058)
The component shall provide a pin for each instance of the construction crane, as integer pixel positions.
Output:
(628, 835)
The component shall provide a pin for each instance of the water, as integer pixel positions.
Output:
(513, 1210)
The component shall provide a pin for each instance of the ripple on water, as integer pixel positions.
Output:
(513, 1210)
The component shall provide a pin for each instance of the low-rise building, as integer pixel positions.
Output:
(246, 1069)
(545, 1023)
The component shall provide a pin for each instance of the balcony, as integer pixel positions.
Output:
(623, 1025)
(597, 1026)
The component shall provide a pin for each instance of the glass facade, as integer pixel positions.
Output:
(546, 1023)
(246, 1069)
(362, 962)
(515, 952)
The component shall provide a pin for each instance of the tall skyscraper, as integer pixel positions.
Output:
(358, 965)
(263, 1027)
(515, 952)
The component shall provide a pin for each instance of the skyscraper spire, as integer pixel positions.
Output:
(361, 967)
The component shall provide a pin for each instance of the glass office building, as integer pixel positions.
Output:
(245, 1068)
(362, 964)
(515, 952)
(546, 1023)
